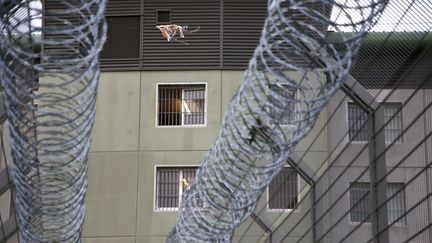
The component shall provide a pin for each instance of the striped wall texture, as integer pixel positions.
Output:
(229, 32)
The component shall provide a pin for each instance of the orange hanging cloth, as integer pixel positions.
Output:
(171, 32)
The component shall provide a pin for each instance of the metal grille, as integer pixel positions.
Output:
(282, 112)
(170, 184)
(396, 205)
(360, 202)
(181, 105)
(167, 188)
(361, 205)
(357, 123)
(283, 190)
(393, 119)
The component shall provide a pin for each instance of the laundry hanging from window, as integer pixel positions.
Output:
(172, 32)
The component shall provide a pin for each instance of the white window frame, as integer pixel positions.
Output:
(284, 210)
(369, 223)
(182, 115)
(296, 107)
(399, 141)
(155, 203)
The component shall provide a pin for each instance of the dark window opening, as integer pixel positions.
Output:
(163, 16)
(123, 38)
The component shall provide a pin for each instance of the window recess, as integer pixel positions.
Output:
(171, 182)
(181, 105)
(283, 191)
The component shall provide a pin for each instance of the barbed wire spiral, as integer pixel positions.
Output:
(302, 58)
(50, 74)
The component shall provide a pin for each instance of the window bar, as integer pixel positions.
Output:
(192, 103)
(183, 110)
(161, 106)
(178, 96)
(170, 115)
(175, 178)
(172, 109)
(166, 107)
(179, 187)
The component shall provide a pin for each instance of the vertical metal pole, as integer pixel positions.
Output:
(377, 169)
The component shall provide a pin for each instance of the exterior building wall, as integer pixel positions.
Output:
(127, 146)
(357, 160)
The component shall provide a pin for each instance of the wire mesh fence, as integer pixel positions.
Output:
(364, 171)
(365, 168)
(8, 222)
(371, 182)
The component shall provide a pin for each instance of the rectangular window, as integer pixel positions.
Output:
(394, 126)
(171, 182)
(396, 206)
(163, 16)
(283, 190)
(361, 204)
(282, 112)
(181, 105)
(123, 38)
(357, 122)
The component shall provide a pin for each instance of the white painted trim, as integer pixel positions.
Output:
(182, 83)
(285, 210)
(170, 210)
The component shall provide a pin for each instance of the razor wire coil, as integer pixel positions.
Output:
(298, 63)
(50, 73)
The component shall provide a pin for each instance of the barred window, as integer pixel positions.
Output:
(283, 190)
(171, 182)
(394, 127)
(361, 204)
(181, 105)
(396, 206)
(357, 122)
(282, 112)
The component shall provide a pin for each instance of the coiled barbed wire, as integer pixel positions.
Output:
(296, 68)
(50, 100)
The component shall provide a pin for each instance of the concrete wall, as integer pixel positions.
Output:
(127, 146)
